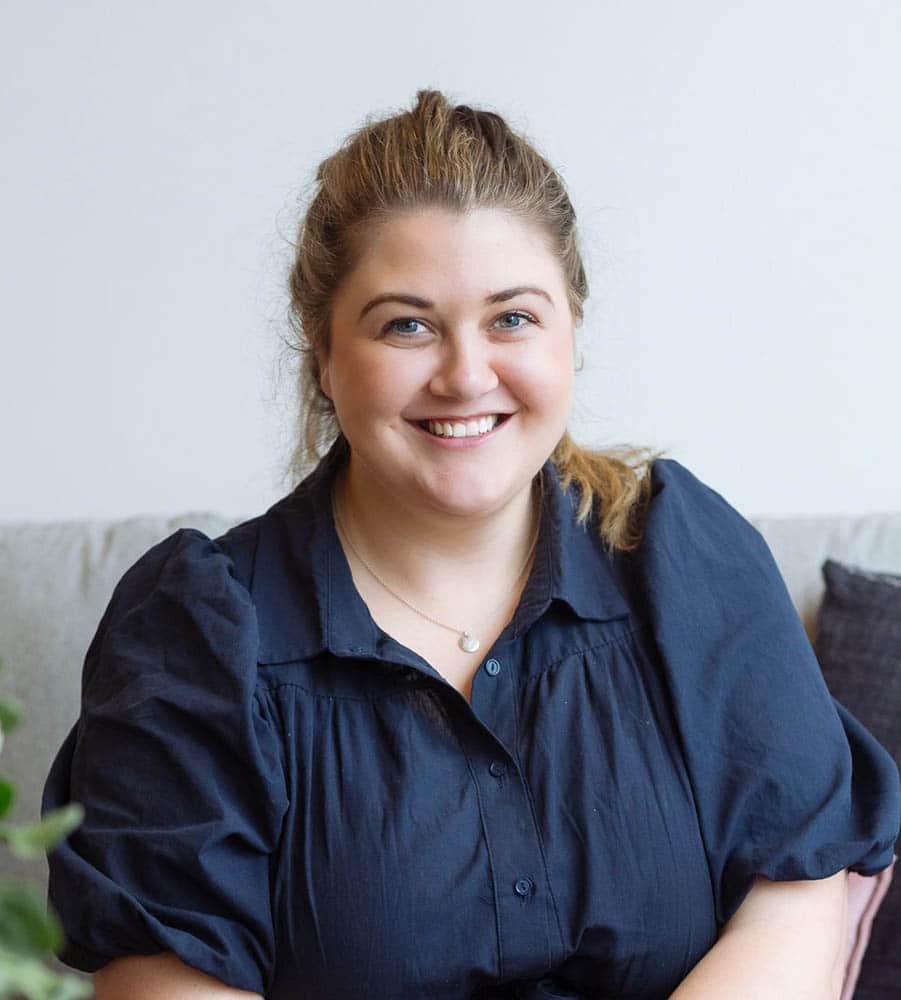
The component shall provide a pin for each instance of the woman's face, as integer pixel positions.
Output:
(438, 359)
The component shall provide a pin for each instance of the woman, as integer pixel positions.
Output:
(472, 711)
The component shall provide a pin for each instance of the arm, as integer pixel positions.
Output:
(160, 977)
(786, 940)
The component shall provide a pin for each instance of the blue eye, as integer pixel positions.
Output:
(391, 328)
(520, 315)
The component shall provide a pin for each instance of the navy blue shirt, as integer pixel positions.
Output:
(293, 802)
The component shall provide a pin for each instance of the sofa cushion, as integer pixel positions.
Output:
(858, 645)
(55, 581)
(865, 896)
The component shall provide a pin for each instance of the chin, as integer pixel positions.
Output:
(465, 497)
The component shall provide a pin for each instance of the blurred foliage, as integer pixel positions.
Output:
(29, 930)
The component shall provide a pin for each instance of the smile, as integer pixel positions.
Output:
(460, 428)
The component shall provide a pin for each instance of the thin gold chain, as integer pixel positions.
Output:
(403, 600)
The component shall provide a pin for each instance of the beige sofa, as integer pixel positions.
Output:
(56, 579)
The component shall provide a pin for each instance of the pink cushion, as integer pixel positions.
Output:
(865, 894)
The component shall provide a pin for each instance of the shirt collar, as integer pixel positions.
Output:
(571, 564)
(306, 601)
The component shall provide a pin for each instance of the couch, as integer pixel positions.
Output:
(56, 579)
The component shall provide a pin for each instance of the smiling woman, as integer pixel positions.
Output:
(460, 360)
(473, 711)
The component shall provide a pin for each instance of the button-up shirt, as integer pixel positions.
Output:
(294, 802)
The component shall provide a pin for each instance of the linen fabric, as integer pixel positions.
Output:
(290, 800)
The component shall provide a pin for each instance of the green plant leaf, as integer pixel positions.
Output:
(22, 976)
(27, 925)
(36, 839)
(7, 797)
(11, 715)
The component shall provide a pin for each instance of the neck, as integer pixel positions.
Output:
(426, 551)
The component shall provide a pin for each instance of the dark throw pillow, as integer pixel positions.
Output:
(858, 645)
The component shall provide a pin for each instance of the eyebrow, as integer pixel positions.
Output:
(415, 300)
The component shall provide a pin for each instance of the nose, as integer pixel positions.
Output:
(464, 370)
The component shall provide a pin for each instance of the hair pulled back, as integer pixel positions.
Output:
(457, 158)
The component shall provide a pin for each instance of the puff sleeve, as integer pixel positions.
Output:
(176, 760)
(788, 784)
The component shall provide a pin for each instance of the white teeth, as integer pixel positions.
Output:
(459, 428)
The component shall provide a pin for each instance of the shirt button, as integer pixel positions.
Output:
(492, 667)
(523, 886)
(497, 769)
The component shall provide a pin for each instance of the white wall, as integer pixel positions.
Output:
(735, 167)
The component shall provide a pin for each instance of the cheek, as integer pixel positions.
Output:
(545, 380)
(373, 382)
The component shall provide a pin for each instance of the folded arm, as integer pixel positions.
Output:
(786, 941)
(160, 977)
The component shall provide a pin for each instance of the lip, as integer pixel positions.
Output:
(470, 416)
(461, 442)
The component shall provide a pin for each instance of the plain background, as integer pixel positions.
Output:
(735, 167)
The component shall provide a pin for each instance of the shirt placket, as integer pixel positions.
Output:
(529, 935)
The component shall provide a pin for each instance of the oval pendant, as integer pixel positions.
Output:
(468, 643)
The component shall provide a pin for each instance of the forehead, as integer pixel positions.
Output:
(476, 249)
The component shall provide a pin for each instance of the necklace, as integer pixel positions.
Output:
(467, 641)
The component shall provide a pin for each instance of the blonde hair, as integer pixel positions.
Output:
(457, 158)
